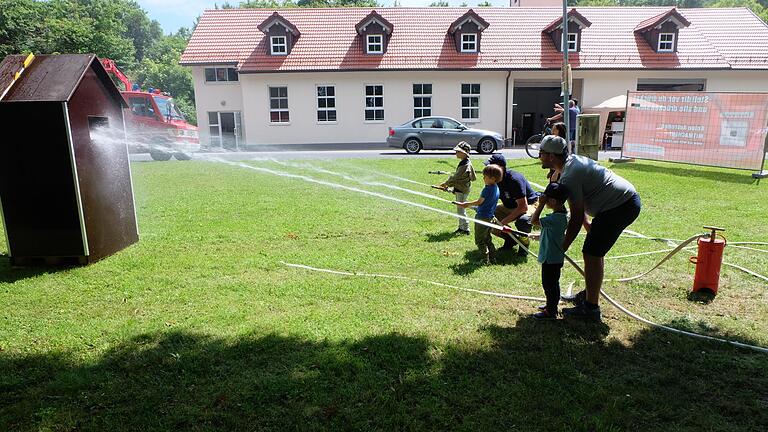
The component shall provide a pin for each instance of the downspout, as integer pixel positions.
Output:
(506, 107)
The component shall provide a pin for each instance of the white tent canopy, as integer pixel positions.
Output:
(604, 108)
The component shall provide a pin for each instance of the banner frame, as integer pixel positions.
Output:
(760, 174)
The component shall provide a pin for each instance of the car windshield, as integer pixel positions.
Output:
(168, 108)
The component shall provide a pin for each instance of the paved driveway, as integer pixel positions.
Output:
(352, 154)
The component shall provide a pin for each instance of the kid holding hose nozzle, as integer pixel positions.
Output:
(461, 181)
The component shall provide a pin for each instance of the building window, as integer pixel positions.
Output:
(666, 42)
(278, 105)
(374, 103)
(213, 129)
(222, 74)
(470, 101)
(668, 84)
(279, 45)
(573, 42)
(469, 42)
(326, 104)
(375, 44)
(422, 100)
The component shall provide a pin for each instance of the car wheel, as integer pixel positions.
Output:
(160, 155)
(182, 156)
(412, 146)
(486, 145)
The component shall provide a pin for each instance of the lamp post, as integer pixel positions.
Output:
(564, 84)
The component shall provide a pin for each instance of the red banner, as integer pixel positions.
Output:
(719, 129)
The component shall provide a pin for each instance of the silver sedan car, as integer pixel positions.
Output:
(439, 133)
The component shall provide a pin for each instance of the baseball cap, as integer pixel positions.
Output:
(463, 147)
(496, 159)
(553, 144)
(556, 191)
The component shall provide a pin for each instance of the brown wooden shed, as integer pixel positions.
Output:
(65, 179)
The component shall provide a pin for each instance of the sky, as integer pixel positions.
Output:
(173, 14)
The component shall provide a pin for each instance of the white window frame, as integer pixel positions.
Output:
(573, 45)
(374, 108)
(275, 43)
(671, 42)
(216, 81)
(470, 107)
(279, 109)
(326, 109)
(371, 42)
(473, 42)
(422, 96)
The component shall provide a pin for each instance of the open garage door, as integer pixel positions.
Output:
(534, 101)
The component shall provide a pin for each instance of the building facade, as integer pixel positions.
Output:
(320, 76)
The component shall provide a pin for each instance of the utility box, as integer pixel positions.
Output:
(65, 181)
(588, 135)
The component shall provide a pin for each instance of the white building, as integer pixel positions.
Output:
(311, 76)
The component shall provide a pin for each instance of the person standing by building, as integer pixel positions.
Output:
(596, 191)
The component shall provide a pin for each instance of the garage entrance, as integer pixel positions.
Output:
(534, 101)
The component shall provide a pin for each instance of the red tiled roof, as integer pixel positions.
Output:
(716, 39)
(374, 16)
(470, 15)
(284, 22)
(572, 14)
(659, 19)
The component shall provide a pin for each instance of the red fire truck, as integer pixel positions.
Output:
(153, 122)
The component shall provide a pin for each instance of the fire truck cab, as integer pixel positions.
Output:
(153, 123)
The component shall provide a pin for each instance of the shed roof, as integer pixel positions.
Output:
(52, 77)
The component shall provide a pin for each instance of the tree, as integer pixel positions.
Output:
(439, 3)
(485, 4)
(20, 22)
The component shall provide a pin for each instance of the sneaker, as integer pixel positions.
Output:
(541, 307)
(577, 299)
(545, 315)
(461, 232)
(581, 311)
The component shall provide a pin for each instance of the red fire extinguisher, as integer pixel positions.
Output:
(708, 261)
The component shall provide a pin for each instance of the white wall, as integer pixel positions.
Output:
(351, 126)
(215, 96)
(250, 96)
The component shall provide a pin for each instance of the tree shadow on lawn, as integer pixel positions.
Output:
(557, 375)
(473, 260)
(726, 175)
(11, 274)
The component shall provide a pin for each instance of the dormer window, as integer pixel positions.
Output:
(279, 45)
(662, 31)
(375, 32)
(375, 44)
(469, 42)
(576, 23)
(281, 35)
(666, 42)
(467, 30)
(573, 42)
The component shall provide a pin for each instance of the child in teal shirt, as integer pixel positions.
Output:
(551, 253)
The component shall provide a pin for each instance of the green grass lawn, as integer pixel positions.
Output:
(200, 327)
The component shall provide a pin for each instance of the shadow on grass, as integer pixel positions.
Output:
(682, 170)
(473, 261)
(10, 274)
(703, 297)
(441, 237)
(566, 373)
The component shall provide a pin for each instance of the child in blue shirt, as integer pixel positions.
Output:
(551, 253)
(486, 207)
